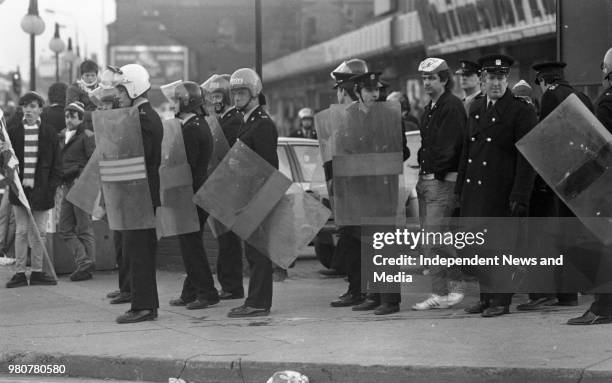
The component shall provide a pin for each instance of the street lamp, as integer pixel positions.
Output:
(57, 46)
(33, 25)
(70, 57)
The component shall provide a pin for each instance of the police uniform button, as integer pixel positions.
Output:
(488, 139)
(473, 138)
(479, 183)
(484, 163)
(469, 160)
(467, 180)
(493, 119)
(477, 117)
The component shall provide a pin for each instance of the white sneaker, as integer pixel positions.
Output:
(6, 261)
(433, 302)
(454, 298)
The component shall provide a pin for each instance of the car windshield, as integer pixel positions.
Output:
(308, 159)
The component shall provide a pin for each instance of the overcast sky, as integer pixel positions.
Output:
(88, 16)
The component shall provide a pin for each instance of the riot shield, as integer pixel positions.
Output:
(220, 144)
(242, 190)
(85, 192)
(367, 164)
(324, 128)
(579, 166)
(177, 213)
(291, 226)
(127, 196)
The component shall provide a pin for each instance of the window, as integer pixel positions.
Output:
(283, 162)
(309, 160)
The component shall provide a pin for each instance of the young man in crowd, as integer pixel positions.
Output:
(36, 146)
(54, 112)
(78, 144)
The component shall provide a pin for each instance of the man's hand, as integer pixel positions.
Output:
(518, 209)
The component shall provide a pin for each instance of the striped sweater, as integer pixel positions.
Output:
(30, 153)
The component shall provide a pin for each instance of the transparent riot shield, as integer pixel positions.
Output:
(290, 227)
(127, 196)
(324, 127)
(367, 164)
(242, 190)
(220, 149)
(177, 213)
(85, 192)
(572, 151)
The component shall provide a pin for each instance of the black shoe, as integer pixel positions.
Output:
(132, 316)
(387, 308)
(18, 280)
(589, 318)
(477, 307)
(226, 295)
(495, 311)
(247, 312)
(80, 275)
(201, 303)
(332, 273)
(368, 304)
(41, 278)
(348, 300)
(537, 304)
(113, 294)
(122, 298)
(179, 302)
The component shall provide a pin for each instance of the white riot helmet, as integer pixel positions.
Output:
(606, 64)
(305, 113)
(246, 78)
(135, 80)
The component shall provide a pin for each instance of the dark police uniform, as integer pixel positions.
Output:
(304, 133)
(492, 173)
(140, 246)
(199, 283)
(259, 133)
(544, 202)
(229, 262)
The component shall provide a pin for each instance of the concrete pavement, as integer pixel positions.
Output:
(73, 324)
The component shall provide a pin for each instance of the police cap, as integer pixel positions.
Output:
(468, 68)
(496, 63)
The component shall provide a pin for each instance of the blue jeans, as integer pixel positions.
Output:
(436, 204)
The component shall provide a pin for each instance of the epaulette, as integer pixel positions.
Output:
(522, 99)
(553, 86)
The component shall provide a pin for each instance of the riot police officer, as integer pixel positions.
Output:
(198, 288)
(306, 129)
(141, 245)
(259, 133)
(229, 262)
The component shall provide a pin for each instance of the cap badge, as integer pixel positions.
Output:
(498, 62)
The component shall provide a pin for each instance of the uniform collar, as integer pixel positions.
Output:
(249, 113)
(227, 111)
(187, 118)
(140, 101)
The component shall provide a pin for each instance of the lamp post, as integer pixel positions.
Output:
(69, 56)
(33, 25)
(57, 46)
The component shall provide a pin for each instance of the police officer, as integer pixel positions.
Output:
(600, 311)
(495, 180)
(306, 129)
(199, 287)
(229, 262)
(544, 202)
(348, 236)
(367, 87)
(469, 73)
(141, 245)
(259, 133)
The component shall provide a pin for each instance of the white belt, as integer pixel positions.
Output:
(450, 177)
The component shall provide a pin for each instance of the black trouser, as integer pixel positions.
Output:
(496, 299)
(229, 264)
(260, 281)
(390, 298)
(141, 245)
(602, 305)
(199, 282)
(123, 263)
(349, 247)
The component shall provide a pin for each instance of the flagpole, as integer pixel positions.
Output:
(18, 189)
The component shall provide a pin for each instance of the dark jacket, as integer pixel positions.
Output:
(603, 109)
(48, 173)
(152, 134)
(556, 93)
(198, 147)
(492, 172)
(54, 115)
(76, 153)
(259, 133)
(230, 123)
(304, 133)
(442, 130)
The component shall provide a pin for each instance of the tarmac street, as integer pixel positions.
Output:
(73, 325)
